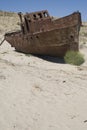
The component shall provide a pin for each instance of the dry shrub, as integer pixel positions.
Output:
(74, 58)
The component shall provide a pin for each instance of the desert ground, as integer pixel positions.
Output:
(41, 93)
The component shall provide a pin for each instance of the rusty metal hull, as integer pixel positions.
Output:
(53, 42)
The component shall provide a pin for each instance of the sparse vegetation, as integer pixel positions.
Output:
(10, 14)
(11, 18)
(85, 34)
(74, 58)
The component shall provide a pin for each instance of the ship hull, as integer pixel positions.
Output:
(47, 36)
(53, 43)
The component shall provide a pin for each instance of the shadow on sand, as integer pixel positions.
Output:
(51, 59)
(48, 58)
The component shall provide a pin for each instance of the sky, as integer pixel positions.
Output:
(58, 8)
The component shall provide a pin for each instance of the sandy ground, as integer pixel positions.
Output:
(41, 94)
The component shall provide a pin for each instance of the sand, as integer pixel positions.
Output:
(41, 93)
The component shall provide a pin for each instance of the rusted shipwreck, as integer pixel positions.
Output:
(44, 35)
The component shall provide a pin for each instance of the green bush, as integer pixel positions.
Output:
(74, 58)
